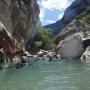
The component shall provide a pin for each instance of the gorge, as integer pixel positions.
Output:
(24, 26)
(53, 57)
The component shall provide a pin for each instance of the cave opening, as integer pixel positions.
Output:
(86, 43)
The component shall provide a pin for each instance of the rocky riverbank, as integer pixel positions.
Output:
(75, 46)
(16, 38)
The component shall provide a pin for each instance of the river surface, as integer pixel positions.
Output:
(43, 75)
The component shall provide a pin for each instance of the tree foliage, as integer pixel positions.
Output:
(44, 38)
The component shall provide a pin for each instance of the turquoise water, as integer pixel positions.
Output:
(42, 75)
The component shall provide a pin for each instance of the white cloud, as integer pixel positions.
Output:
(60, 15)
(55, 4)
(50, 21)
(46, 5)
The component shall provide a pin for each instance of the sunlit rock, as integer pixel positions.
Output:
(71, 47)
(86, 55)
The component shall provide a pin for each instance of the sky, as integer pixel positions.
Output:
(52, 10)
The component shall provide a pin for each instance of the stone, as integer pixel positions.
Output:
(71, 47)
(86, 55)
(16, 60)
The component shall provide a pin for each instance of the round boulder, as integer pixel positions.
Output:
(71, 47)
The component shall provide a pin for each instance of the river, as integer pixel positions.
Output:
(43, 75)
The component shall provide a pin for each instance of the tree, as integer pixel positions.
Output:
(45, 36)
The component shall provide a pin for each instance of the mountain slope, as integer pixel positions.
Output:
(80, 24)
(76, 8)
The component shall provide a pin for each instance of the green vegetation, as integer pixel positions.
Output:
(80, 24)
(44, 39)
(84, 17)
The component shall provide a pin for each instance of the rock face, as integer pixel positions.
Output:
(9, 47)
(21, 18)
(86, 55)
(6, 41)
(5, 14)
(76, 8)
(71, 29)
(71, 47)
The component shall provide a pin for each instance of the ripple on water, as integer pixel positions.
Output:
(66, 75)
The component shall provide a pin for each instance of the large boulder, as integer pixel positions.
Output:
(71, 47)
(86, 55)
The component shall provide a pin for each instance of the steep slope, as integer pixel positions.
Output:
(80, 24)
(20, 17)
(76, 8)
(5, 14)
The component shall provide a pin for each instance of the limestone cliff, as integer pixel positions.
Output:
(20, 17)
(5, 14)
